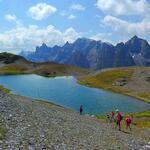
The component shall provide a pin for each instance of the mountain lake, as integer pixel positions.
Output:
(65, 91)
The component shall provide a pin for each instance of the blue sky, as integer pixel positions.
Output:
(25, 24)
(84, 19)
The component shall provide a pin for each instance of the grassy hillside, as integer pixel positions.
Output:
(13, 64)
(48, 70)
(132, 81)
(58, 70)
(12, 69)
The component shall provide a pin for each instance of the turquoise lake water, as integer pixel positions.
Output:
(66, 92)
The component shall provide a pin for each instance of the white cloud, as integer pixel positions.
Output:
(41, 11)
(71, 35)
(63, 13)
(127, 29)
(27, 38)
(10, 17)
(124, 7)
(78, 7)
(13, 19)
(71, 16)
(104, 37)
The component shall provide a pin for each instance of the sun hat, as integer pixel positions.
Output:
(117, 110)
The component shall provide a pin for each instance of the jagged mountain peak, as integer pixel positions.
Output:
(67, 44)
(79, 40)
(44, 45)
(120, 44)
(106, 43)
(56, 46)
(96, 54)
(134, 39)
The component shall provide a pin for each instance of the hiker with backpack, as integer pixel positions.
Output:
(118, 119)
(128, 121)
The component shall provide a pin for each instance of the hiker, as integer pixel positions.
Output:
(112, 119)
(118, 119)
(108, 117)
(128, 121)
(81, 109)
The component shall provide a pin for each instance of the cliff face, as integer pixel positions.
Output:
(95, 54)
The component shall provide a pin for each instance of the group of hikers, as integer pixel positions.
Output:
(116, 117)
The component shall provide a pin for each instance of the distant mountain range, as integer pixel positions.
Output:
(89, 53)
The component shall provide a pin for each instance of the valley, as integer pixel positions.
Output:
(132, 81)
(74, 74)
(23, 118)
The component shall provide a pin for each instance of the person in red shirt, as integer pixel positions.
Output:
(118, 119)
(128, 121)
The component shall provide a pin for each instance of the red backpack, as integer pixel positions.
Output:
(119, 117)
(128, 120)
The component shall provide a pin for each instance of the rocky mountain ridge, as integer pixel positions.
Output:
(89, 53)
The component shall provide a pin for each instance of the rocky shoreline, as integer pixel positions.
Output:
(36, 125)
